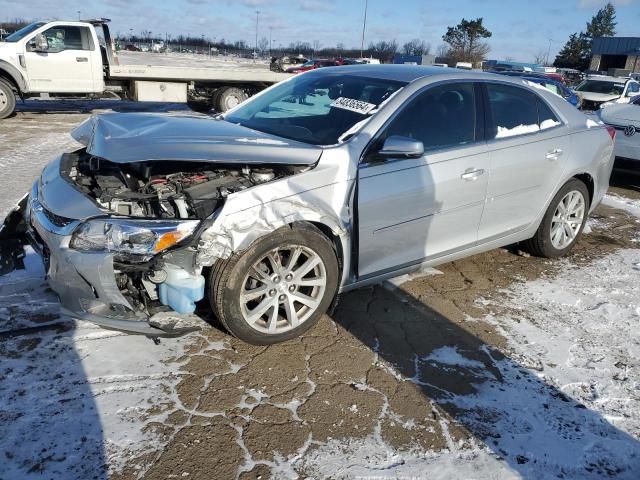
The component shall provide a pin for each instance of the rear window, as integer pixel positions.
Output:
(516, 111)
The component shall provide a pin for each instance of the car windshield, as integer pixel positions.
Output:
(23, 32)
(600, 86)
(310, 63)
(315, 109)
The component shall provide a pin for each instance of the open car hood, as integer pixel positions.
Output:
(140, 137)
(597, 97)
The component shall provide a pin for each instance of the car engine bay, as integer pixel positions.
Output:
(163, 189)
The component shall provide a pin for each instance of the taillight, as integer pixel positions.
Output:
(612, 132)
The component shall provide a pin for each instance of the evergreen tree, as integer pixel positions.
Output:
(576, 53)
(465, 43)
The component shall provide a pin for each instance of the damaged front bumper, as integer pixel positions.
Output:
(84, 281)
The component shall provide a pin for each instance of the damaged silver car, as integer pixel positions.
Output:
(331, 180)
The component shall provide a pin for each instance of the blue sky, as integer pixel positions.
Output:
(521, 29)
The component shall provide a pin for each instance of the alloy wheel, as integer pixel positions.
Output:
(567, 219)
(283, 289)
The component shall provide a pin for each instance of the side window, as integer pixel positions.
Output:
(441, 117)
(546, 117)
(634, 88)
(516, 111)
(67, 38)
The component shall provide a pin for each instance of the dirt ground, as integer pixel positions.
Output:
(238, 411)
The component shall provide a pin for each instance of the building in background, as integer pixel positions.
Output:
(618, 56)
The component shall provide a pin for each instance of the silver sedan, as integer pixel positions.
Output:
(334, 179)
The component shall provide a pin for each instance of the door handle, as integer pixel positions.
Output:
(82, 59)
(553, 154)
(472, 174)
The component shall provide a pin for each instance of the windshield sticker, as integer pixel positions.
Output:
(353, 105)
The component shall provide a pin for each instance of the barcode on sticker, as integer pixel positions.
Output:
(354, 105)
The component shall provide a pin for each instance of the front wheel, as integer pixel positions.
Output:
(7, 99)
(278, 288)
(562, 223)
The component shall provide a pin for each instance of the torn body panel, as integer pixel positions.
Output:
(322, 196)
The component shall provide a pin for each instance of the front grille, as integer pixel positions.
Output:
(589, 105)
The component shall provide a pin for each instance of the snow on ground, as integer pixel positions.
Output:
(176, 59)
(566, 399)
(565, 403)
(626, 204)
(76, 395)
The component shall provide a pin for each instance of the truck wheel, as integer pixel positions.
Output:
(7, 99)
(562, 223)
(276, 289)
(226, 98)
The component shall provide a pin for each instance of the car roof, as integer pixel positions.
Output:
(411, 73)
(401, 73)
(606, 78)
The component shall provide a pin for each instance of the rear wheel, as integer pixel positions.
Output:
(7, 99)
(563, 222)
(226, 98)
(276, 289)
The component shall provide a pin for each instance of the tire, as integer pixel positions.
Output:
(225, 98)
(545, 243)
(7, 99)
(234, 283)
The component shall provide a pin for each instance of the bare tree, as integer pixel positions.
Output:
(416, 47)
(442, 50)
(383, 51)
(263, 45)
(540, 57)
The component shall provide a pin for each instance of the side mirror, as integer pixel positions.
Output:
(39, 43)
(397, 146)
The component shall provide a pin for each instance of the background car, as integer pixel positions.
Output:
(281, 64)
(598, 89)
(625, 118)
(311, 65)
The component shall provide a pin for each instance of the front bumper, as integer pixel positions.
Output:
(627, 146)
(84, 281)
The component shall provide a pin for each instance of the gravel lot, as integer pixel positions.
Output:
(497, 366)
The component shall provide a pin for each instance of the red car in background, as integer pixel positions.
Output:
(311, 65)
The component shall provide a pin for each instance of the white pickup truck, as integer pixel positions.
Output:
(78, 59)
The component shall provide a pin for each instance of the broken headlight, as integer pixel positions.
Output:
(131, 239)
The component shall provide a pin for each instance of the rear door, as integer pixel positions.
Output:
(67, 66)
(410, 210)
(527, 144)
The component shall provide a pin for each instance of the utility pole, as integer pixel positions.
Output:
(255, 50)
(270, 33)
(78, 15)
(364, 26)
(548, 53)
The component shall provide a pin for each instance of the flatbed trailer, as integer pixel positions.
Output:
(71, 59)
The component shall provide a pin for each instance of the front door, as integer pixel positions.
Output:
(67, 66)
(411, 210)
